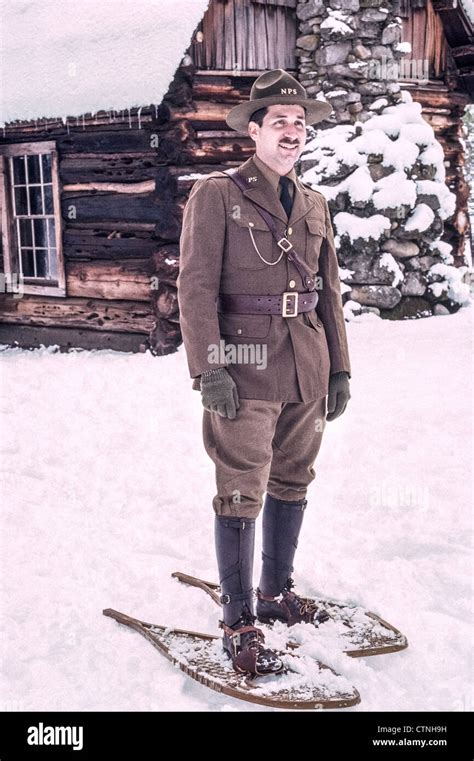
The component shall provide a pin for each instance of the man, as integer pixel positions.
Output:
(264, 358)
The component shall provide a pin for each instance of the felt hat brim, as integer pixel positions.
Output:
(238, 117)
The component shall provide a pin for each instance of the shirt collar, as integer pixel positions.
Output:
(272, 176)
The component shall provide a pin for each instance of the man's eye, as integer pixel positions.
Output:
(282, 121)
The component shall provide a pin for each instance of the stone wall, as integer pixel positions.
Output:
(341, 47)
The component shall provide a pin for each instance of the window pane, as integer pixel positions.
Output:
(40, 233)
(20, 201)
(41, 263)
(19, 170)
(53, 264)
(46, 157)
(33, 169)
(36, 204)
(25, 232)
(27, 262)
(51, 233)
(48, 199)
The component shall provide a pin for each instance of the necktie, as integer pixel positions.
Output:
(285, 197)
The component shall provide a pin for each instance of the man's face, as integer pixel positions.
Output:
(280, 140)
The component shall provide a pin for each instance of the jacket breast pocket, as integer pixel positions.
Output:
(315, 235)
(248, 236)
(245, 326)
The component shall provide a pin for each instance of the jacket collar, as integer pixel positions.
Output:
(270, 174)
(263, 193)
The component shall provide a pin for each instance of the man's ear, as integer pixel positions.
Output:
(252, 129)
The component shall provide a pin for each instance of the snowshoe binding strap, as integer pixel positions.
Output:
(245, 647)
(294, 608)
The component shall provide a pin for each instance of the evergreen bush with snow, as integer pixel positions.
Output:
(384, 180)
(469, 148)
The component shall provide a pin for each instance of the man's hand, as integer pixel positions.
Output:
(339, 394)
(219, 393)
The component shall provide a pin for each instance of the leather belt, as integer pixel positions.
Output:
(288, 304)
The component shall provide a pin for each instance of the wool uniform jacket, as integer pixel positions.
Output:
(220, 233)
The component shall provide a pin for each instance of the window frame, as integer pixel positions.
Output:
(11, 253)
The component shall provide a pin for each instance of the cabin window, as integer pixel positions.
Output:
(31, 218)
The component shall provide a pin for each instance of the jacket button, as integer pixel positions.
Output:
(239, 331)
(292, 284)
(290, 230)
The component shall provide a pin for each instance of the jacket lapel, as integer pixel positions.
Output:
(302, 204)
(261, 192)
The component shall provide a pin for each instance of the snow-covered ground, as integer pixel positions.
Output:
(107, 490)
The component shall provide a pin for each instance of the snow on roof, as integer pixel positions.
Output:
(71, 57)
(468, 6)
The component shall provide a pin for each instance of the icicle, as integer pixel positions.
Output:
(129, 118)
(83, 122)
(139, 113)
(156, 111)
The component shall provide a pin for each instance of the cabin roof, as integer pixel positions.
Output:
(63, 58)
(468, 7)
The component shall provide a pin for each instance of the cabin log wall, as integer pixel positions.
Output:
(124, 182)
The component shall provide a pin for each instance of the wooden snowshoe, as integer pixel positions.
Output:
(359, 631)
(305, 683)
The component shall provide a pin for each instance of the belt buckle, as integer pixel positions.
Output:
(290, 312)
(285, 244)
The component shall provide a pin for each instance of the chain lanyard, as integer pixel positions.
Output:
(283, 242)
(270, 264)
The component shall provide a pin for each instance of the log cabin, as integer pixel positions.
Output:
(95, 171)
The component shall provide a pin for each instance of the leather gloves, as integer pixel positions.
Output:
(219, 392)
(338, 395)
